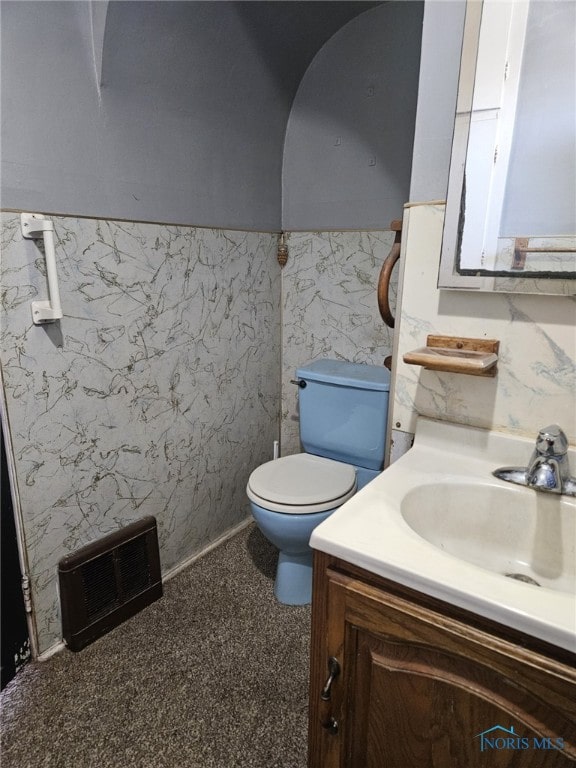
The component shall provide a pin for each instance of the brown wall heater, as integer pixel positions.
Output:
(108, 581)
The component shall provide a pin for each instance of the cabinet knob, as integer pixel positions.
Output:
(331, 725)
(334, 671)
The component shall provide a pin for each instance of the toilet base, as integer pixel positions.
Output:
(293, 584)
(291, 533)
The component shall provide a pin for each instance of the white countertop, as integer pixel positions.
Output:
(369, 531)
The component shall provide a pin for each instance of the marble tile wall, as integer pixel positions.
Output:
(156, 394)
(536, 378)
(330, 308)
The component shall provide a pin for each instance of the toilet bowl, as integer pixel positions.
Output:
(343, 409)
(289, 497)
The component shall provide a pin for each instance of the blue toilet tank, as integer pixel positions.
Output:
(343, 411)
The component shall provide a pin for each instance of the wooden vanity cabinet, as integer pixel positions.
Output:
(422, 684)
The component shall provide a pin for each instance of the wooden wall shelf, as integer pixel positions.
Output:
(477, 357)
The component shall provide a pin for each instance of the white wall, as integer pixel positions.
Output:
(536, 378)
(166, 366)
(329, 308)
(156, 394)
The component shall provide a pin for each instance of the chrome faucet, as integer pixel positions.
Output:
(549, 468)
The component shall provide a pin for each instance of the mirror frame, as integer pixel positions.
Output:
(506, 45)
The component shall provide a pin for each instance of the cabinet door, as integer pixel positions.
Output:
(420, 690)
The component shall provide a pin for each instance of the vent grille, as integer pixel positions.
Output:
(134, 567)
(99, 585)
(108, 581)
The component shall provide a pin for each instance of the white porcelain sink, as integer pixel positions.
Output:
(438, 521)
(515, 532)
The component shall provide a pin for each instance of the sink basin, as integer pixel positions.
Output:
(438, 522)
(515, 532)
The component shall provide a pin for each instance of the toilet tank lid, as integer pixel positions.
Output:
(344, 374)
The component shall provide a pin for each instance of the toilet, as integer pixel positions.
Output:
(343, 412)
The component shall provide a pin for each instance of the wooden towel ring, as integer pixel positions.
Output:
(386, 273)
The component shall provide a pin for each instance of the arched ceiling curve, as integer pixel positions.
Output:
(200, 48)
(156, 110)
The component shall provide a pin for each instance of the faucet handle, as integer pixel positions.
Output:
(551, 441)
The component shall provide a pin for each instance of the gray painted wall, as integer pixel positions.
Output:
(348, 148)
(187, 123)
(437, 90)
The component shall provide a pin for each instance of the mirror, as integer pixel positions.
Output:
(510, 222)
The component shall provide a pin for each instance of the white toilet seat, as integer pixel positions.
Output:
(301, 484)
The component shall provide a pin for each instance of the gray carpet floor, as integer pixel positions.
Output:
(213, 675)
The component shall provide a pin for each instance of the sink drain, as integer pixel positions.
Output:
(522, 577)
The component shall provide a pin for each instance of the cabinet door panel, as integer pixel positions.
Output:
(423, 688)
(412, 706)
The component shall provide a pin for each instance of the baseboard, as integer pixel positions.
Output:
(52, 651)
(60, 646)
(208, 548)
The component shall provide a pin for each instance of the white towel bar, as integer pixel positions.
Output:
(34, 225)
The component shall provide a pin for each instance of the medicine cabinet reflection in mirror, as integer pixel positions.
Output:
(510, 221)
